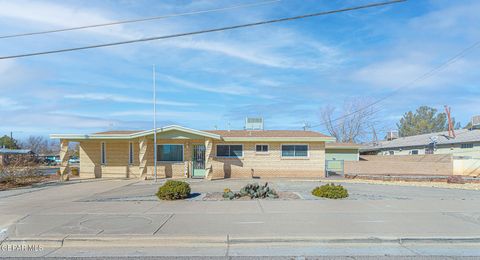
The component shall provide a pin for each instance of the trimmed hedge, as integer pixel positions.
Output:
(330, 191)
(174, 190)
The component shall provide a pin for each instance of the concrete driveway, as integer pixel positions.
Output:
(123, 217)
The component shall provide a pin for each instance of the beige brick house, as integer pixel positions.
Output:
(183, 152)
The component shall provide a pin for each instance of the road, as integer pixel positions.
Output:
(123, 218)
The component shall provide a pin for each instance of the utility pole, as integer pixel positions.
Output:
(451, 128)
(154, 126)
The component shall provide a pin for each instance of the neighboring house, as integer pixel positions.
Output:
(184, 152)
(6, 154)
(466, 144)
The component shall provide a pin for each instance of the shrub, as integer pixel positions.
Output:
(19, 169)
(330, 191)
(74, 171)
(252, 190)
(228, 194)
(173, 190)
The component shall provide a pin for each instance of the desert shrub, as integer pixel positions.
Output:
(74, 171)
(330, 191)
(455, 179)
(174, 190)
(229, 194)
(18, 169)
(252, 190)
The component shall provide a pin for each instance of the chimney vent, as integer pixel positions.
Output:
(392, 135)
(476, 122)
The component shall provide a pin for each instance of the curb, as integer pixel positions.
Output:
(154, 241)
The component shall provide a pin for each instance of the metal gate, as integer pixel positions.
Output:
(334, 168)
(198, 160)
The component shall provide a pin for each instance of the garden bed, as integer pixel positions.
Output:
(214, 196)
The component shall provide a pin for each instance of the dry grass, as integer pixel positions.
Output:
(27, 181)
(21, 171)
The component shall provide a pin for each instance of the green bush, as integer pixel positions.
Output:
(252, 190)
(174, 190)
(330, 191)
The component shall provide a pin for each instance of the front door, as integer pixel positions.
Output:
(198, 161)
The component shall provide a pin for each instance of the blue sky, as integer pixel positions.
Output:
(286, 73)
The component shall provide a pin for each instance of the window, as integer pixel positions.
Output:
(261, 148)
(170, 152)
(414, 151)
(295, 150)
(130, 153)
(391, 152)
(233, 151)
(465, 146)
(103, 154)
(429, 151)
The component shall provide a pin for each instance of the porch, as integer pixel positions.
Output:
(180, 154)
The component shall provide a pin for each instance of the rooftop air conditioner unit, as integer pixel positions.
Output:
(254, 123)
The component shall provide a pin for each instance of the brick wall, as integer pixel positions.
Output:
(270, 164)
(429, 164)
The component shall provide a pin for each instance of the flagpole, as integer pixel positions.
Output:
(154, 126)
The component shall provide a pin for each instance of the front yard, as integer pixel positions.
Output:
(291, 189)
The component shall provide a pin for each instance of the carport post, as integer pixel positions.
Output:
(64, 167)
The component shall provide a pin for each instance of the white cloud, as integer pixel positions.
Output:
(123, 99)
(460, 18)
(58, 16)
(411, 73)
(7, 104)
(279, 48)
(231, 90)
(168, 115)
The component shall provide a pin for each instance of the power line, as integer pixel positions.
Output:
(141, 20)
(204, 31)
(424, 76)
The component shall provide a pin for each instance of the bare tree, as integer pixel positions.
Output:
(353, 123)
(40, 145)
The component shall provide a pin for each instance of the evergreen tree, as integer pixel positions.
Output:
(8, 142)
(424, 120)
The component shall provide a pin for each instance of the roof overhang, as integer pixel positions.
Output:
(278, 139)
(134, 135)
(344, 147)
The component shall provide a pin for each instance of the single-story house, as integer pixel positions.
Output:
(184, 152)
(465, 144)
